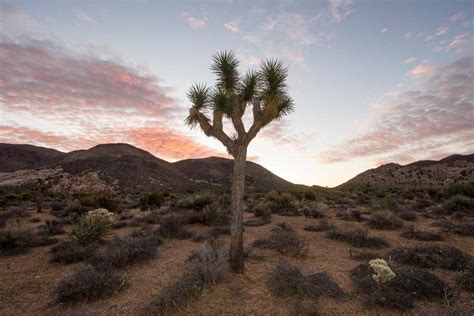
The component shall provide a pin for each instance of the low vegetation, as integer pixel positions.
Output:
(357, 238)
(285, 240)
(384, 220)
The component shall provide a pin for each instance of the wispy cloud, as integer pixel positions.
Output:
(341, 9)
(195, 23)
(83, 16)
(422, 69)
(383, 30)
(408, 35)
(441, 30)
(409, 60)
(232, 26)
(458, 16)
(436, 117)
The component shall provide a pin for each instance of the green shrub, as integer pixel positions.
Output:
(309, 195)
(281, 203)
(384, 220)
(210, 215)
(197, 201)
(74, 206)
(466, 189)
(172, 226)
(92, 227)
(459, 203)
(152, 200)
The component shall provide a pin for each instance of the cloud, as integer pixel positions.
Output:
(160, 141)
(195, 23)
(281, 133)
(341, 9)
(441, 31)
(459, 42)
(409, 60)
(83, 16)
(15, 22)
(408, 35)
(422, 69)
(43, 78)
(232, 26)
(293, 55)
(385, 29)
(296, 26)
(52, 97)
(434, 118)
(458, 16)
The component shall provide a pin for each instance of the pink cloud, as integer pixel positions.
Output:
(458, 16)
(232, 26)
(195, 23)
(435, 118)
(441, 31)
(422, 69)
(341, 9)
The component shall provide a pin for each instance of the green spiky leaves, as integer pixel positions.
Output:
(225, 67)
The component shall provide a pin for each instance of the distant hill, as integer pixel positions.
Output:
(131, 167)
(454, 168)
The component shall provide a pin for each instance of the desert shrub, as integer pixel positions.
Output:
(108, 202)
(52, 228)
(287, 280)
(313, 213)
(363, 254)
(259, 221)
(400, 292)
(285, 241)
(432, 256)
(408, 216)
(209, 215)
(71, 252)
(88, 284)
(123, 252)
(197, 201)
(151, 218)
(463, 229)
(12, 213)
(321, 227)
(466, 280)
(172, 226)
(17, 237)
(306, 307)
(119, 224)
(58, 206)
(215, 232)
(74, 206)
(281, 203)
(384, 220)
(357, 238)
(458, 203)
(152, 200)
(207, 266)
(262, 210)
(466, 189)
(352, 215)
(92, 227)
(309, 195)
(413, 233)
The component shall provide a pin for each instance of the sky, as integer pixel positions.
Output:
(373, 81)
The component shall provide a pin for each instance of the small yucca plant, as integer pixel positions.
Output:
(92, 227)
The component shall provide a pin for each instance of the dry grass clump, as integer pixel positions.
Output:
(351, 215)
(172, 226)
(71, 252)
(400, 292)
(313, 213)
(466, 280)
(458, 203)
(432, 256)
(384, 220)
(322, 226)
(52, 228)
(197, 201)
(285, 240)
(287, 280)
(408, 216)
(13, 212)
(211, 214)
(88, 284)
(124, 252)
(207, 266)
(357, 238)
(414, 233)
(17, 237)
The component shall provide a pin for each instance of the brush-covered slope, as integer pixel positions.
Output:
(454, 168)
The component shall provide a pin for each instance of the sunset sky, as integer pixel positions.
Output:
(373, 81)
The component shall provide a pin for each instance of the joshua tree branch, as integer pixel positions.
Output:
(215, 131)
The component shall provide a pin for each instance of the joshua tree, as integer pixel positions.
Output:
(265, 91)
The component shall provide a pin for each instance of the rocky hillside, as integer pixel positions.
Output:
(127, 167)
(454, 168)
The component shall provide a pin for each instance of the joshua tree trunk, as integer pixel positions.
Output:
(236, 228)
